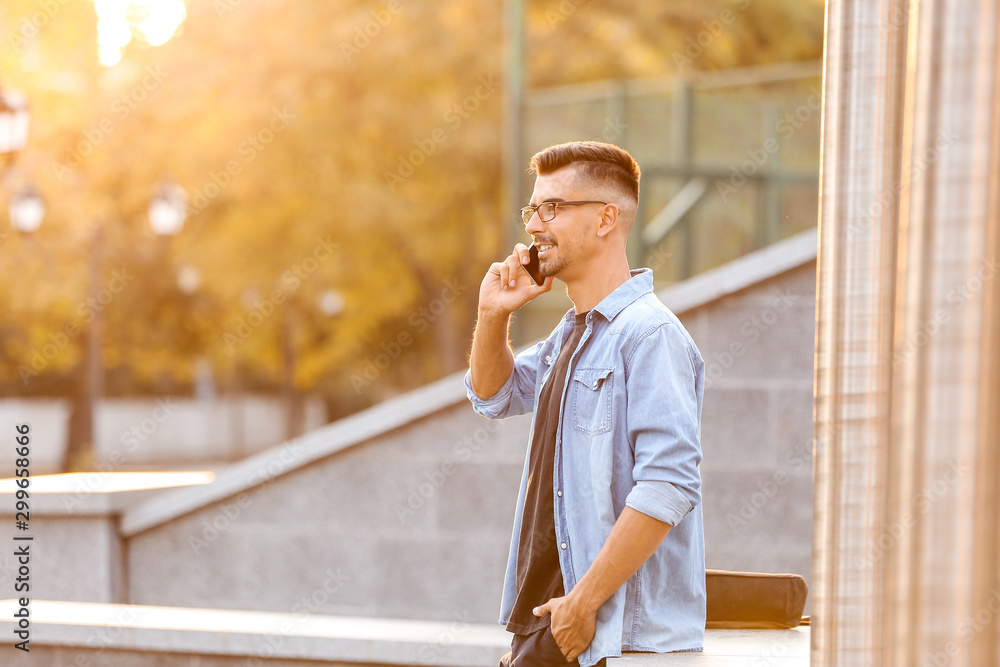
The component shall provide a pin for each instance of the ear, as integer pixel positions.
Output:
(609, 220)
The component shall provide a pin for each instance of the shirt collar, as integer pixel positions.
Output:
(639, 284)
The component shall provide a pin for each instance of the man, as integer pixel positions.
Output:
(607, 552)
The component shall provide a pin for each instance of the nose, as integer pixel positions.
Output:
(534, 225)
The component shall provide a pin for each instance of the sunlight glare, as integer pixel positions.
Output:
(162, 20)
(153, 21)
(109, 482)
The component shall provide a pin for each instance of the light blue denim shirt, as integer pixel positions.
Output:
(629, 435)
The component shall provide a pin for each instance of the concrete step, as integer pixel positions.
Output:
(117, 634)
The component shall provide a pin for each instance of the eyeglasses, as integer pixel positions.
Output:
(548, 209)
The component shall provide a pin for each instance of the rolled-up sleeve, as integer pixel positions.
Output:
(517, 395)
(665, 379)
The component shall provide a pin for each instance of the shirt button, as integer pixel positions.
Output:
(595, 384)
(563, 545)
(547, 359)
(559, 493)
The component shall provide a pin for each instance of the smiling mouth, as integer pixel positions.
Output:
(544, 248)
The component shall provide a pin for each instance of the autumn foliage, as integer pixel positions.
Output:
(340, 148)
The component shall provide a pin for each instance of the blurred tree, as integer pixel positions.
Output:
(344, 146)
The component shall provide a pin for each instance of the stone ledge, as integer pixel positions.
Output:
(249, 634)
(742, 273)
(733, 648)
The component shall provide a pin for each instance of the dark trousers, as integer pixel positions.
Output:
(539, 649)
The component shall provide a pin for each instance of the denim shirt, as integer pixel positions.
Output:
(629, 435)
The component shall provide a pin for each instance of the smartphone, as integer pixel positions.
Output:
(532, 266)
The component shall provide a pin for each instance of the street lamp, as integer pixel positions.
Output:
(27, 208)
(330, 303)
(13, 123)
(188, 279)
(167, 213)
(168, 210)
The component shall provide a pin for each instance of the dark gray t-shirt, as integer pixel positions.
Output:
(539, 577)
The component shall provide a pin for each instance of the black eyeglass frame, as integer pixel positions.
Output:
(530, 210)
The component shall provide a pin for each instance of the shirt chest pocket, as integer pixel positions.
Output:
(591, 396)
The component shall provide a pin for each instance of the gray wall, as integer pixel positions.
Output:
(757, 424)
(73, 558)
(413, 524)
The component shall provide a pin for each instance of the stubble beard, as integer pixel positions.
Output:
(551, 267)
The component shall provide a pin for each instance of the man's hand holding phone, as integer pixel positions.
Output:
(508, 286)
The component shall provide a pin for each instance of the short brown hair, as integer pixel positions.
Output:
(598, 161)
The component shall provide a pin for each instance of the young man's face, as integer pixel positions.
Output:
(564, 242)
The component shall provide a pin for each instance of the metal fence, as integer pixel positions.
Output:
(730, 161)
